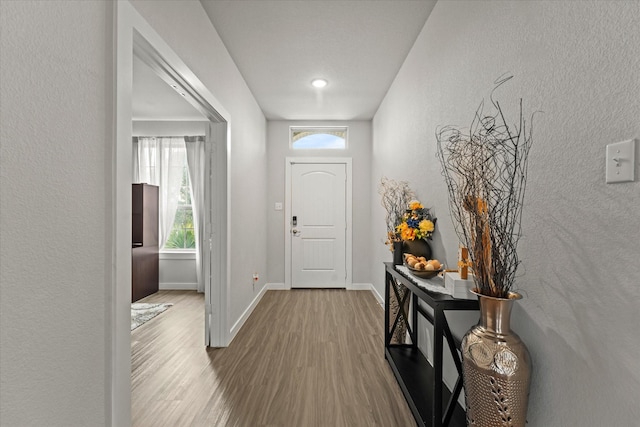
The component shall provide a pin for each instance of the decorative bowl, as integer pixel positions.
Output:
(423, 274)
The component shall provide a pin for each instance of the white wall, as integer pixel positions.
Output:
(359, 149)
(55, 156)
(579, 63)
(169, 128)
(56, 201)
(186, 28)
(178, 270)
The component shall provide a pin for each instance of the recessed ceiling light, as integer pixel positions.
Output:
(319, 83)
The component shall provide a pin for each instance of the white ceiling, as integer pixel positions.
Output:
(279, 46)
(154, 99)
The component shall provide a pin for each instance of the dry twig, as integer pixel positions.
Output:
(395, 197)
(486, 173)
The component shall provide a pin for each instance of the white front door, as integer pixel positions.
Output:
(318, 225)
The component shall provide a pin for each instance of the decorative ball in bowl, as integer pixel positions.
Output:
(421, 267)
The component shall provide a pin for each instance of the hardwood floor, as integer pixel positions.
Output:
(304, 358)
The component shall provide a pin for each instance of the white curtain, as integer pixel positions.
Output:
(161, 162)
(196, 162)
(136, 163)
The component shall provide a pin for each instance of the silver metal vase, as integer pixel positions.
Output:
(496, 367)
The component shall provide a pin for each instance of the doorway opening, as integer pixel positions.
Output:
(169, 137)
(134, 36)
(215, 165)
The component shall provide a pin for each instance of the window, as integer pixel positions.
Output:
(162, 161)
(182, 234)
(319, 138)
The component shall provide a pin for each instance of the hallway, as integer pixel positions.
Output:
(304, 358)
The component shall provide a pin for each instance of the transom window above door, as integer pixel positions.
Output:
(318, 138)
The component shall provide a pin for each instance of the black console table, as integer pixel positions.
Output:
(420, 381)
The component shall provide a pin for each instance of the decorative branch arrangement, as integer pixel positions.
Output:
(395, 197)
(486, 174)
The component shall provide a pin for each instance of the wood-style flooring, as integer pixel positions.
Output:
(304, 358)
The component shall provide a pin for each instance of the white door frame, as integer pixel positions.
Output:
(134, 34)
(348, 206)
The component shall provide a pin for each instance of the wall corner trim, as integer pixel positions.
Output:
(377, 296)
(175, 286)
(367, 287)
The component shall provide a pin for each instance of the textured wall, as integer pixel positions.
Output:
(186, 28)
(177, 271)
(359, 150)
(54, 211)
(579, 63)
(56, 154)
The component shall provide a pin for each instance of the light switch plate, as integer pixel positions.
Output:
(278, 206)
(621, 161)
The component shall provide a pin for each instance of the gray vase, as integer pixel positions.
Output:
(496, 367)
(418, 247)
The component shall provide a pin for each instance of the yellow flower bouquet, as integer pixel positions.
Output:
(416, 223)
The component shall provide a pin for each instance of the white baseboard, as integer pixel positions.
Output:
(378, 297)
(352, 287)
(367, 287)
(178, 286)
(245, 315)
